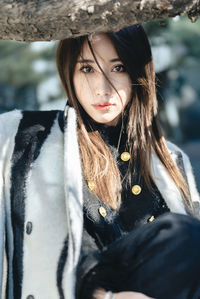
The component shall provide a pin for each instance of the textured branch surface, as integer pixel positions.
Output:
(33, 20)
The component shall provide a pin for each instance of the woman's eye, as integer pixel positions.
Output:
(119, 68)
(86, 69)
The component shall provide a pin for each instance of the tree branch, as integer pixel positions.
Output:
(44, 20)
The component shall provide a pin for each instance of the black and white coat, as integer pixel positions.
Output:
(41, 202)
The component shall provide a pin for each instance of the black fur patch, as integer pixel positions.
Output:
(61, 120)
(60, 269)
(33, 129)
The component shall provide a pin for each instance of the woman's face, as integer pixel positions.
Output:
(93, 91)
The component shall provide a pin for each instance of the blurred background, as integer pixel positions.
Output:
(29, 80)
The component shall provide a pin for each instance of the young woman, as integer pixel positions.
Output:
(91, 198)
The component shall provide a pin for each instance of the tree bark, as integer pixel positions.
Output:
(45, 20)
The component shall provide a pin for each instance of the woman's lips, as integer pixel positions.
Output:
(105, 106)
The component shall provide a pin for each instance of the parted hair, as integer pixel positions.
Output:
(142, 127)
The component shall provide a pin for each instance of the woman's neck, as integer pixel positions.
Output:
(110, 134)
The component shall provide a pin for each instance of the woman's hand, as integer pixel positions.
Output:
(100, 294)
(131, 295)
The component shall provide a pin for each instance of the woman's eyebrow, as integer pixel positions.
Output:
(92, 61)
(85, 61)
(115, 59)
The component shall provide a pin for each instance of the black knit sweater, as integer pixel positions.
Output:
(135, 209)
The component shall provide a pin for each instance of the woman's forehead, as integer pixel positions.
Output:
(101, 45)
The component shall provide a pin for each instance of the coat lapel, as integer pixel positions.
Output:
(74, 199)
(166, 186)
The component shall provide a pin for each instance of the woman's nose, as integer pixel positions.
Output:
(103, 86)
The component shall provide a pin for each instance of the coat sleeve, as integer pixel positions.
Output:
(189, 175)
(8, 128)
(192, 185)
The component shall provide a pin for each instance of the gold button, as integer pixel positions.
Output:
(125, 156)
(102, 211)
(91, 185)
(136, 189)
(151, 219)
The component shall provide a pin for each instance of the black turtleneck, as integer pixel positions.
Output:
(111, 134)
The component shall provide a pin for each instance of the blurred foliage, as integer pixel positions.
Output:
(187, 33)
(179, 30)
(49, 53)
(178, 84)
(16, 61)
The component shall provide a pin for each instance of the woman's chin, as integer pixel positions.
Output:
(107, 122)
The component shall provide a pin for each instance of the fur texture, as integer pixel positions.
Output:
(45, 209)
(8, 128)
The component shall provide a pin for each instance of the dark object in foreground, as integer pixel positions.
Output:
(160, 259)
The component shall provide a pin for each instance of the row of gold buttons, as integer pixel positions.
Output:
(103, 213)
(102, 210)
(136, 189)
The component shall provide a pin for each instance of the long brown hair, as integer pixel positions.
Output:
(142, 125)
